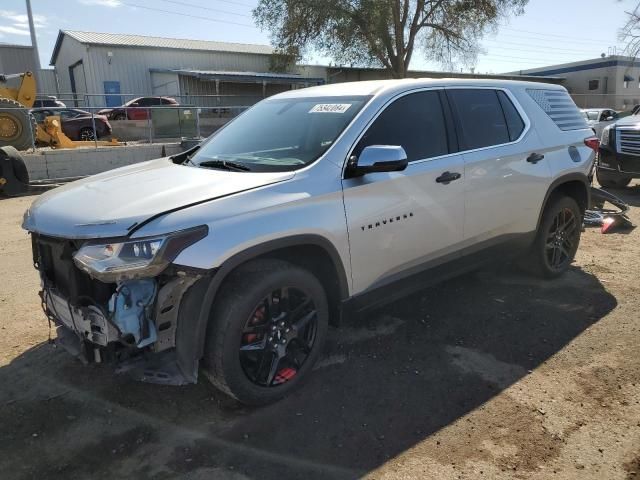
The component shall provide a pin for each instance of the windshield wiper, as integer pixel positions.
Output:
(225, 164)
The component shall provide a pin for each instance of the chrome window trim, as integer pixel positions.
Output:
(510, 95)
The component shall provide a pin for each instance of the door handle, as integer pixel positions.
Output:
(448, 177)
(535, 158)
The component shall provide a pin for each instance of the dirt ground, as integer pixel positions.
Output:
(491, 375)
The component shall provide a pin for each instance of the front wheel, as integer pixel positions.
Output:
(609, 180)
(557, 238)
(267, 330)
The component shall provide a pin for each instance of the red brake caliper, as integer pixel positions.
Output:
(258, 317)
(285, 375)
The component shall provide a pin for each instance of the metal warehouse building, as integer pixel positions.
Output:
(108, 69)
(607, 82)
(21, 58)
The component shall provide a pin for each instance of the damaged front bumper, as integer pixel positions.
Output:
(130, 324)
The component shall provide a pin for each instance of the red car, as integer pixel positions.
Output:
(135, 109)
(76, 124)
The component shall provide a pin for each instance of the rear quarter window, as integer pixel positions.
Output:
(559, 106)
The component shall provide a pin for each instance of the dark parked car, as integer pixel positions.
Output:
(48, 102)
(619, 159)
(135, 109)
(76, 124)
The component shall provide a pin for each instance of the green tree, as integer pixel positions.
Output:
(630, 32)
(382, 32)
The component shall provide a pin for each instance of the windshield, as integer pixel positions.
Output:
(280, 134)
(591, 114)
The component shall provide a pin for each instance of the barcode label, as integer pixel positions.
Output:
(330, 108)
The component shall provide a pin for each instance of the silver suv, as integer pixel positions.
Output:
(237, 255)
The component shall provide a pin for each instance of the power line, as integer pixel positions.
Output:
(511, 58)
(544, 48)
(193, 5)
(565, 53)
(228, 22)
(579, 39)
(231, 2)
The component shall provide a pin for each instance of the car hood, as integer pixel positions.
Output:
(113, 203)
(631, 120)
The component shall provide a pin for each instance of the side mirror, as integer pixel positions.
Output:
(378, 158)
(609, 119)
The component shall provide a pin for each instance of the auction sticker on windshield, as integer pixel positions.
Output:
(330, 108)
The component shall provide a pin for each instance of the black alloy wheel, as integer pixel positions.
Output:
(268, 324)
(561, 239)
(557, 238)
(278, 337)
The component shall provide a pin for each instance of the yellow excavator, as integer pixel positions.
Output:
(19, 131)
(18, 128)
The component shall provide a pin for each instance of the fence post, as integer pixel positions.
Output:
(149, 125)
(197, 122)
(33, 135)
(95, 133)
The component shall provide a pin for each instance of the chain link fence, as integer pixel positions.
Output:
(87, 118)
(620, 103)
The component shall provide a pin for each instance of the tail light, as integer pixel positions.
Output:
(593, 143)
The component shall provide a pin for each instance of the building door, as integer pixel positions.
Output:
(78, 84)
(112, 94)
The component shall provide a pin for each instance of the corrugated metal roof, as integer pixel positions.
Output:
(238, 76)
(13, 45)
(124, 40)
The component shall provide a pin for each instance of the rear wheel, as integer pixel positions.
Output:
(268, 328)
(557, 239)
(611, 180)
(86, 134)
(119, 116)
(17, 126)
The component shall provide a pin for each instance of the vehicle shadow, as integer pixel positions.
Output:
(630, 195)
(389, 380)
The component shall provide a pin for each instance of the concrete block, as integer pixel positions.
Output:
(79, 162)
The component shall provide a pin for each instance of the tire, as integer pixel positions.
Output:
(86, 134)
(13, 172)
(119, 116)
(540, 259)
(244, 347)
(17, 125)
(609, 180)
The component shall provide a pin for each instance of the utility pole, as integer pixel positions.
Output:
(34, 42)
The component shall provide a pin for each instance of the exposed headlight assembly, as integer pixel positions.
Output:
(606, 135)
(126, 259)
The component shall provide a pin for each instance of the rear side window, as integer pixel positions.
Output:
(560, 107)
(415, 122)
(481, 119)
(515, 124)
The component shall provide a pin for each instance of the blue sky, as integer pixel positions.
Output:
(549, 32)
